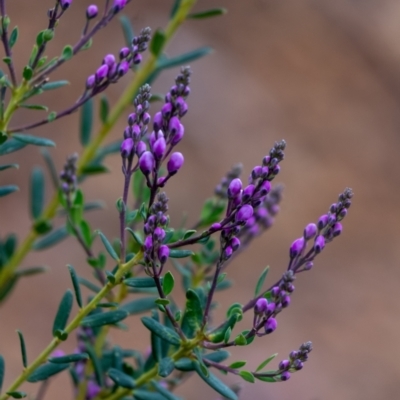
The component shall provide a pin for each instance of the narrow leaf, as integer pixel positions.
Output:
(121, 379)
(68, 358)
(160, 330)
(166, 367)
(107, 318)
(136, 236)
(175, 8)
(237, 364)
(10, 146)
(184, 58)
(23, 349)
(5, 190)
(175, 253)
(168, 283)
(267, 361)
(247, 376)
(51, 167)
(6, 166)
(56, 236)
(138, 306)
(13, 37)
(217, 356)
(140, 282)
(86, 122)
(17, 395)
(34, 107)
(98, 370)
(54, 85)
(67, 52)
(108, 246)
(2, 371)
(193, 316)
(34, 140)
(46, 371)
(164, 392)
(215, 12)
(37, 192)
(261, 281)
(157, 42)
(75, 283)
(91, 286)
(31, 271)
(63, 312)
(104, 109)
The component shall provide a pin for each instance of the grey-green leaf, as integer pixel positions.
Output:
(23, 348)
(121, 379)
(166, 393)
(145, 282)
(267, 361)
(168, 283)
(165, 367)
(63, 312)
(46, 371)
(108, 246)
(184, 58)
(86, 122)
(176, 253)
(139, 305)
(54, 85)
(104, 109)
(13, 37)
(157, 42)
(107, 318)
(34, 140)
(17, 395)
(6, 166)
(75, 283)
(8, 189)
(260, 281)
(69, 358)
(2, 370)
(214, 12)
(37, 192)
(127, 30)
(51, 239)
(10, 146)
(160, 330)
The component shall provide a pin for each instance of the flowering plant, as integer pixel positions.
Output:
(185, 338)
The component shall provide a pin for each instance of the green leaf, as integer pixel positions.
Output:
(261, 281)
(218, 335)
(162, 302)
(216, 384)
(17, 395)
(64, 310)
(52, 116)
(238, 364)
(37, 192)
(27, 73)
(86, 122)
(138, 306)
(136, 236)
(184, 58)
(121, 379)
(157, 42)
(23, 348)
(98, 370)
(270, 379)
(75, 283)
(227, 335)
(166, 367)
(56, 236)
(168, 283)
(175, 253)
(193, 316)
(240, 340)
(247, 376)
(67, 52)
(185, 364)
(147, 395)
(69, 358)
(86, 232)
(160, 330)
(46, 371)
(140, 282)
(34, 107)
(31, 271)
(42, 226)
(6, 166)
(91, 286)
(164, 392)
(5, 190)
(94, 169)
(108, 246)
(127, 30)
(54, 85)
(217, 356)
(188, 234)
(30, 139)
(10, 146)
(13, 37)
(267, 361)
(2, 371)
(107, 318)
(104, 109)
(214, 12)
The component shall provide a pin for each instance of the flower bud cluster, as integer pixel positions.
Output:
(296, 361)
(222, 188)
(155, 252)
(68, 175)
(111, 69)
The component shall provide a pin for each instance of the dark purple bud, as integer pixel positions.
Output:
(342, 214)
(333, 208)
(264, 172)
(146, 118)
(256, 173)
(109, 60)
(235, 243)
(275, 291)
(90, 82)
(228, 252)
(285, 376)
(319, 244)
(332, 219)
(265, 188)
(186, 91)
(285, 301)
(308, 265)
(163, 253)
(298, 365)
(293, 355)
(250, 222)
(127, 132)
(266, 160)
(270, 308)
(131, 119)
(101, 73)
(270, 325)
(174, 125)
(178, 135)
(163, 220)
(284, 364)
(146, 162)
(159, 147)
(119, 5)
(137, 59)
(215, 227)
(148, 242)
(310, 231)
(147, 229)
(290, 288)
(92, 11)
(159, 234)
(161, 181)
(152, 220)
(123, 68)
(140, 148)
(175, 163)
(158, 121)
(337, 229)
(166, 110)
(57, 353)
(234, 187)
(297, 247)
(65, 4)
(323, 221)
(244, 213)
(126, 148)
(135, 132)
(182, 106)
(261, 306)
(248, 192)
(123, 53)
(276, 170)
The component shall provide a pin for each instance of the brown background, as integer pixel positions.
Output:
(323, 75)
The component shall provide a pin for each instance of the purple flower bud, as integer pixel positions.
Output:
(248, 192)
(57, 353)
(119, 5)
(127, 132)
(323, 221)
(284, 364)
(266, 160)
(260, 306)
(148, 242)
(163, 220)
(290, 288)
(182, 106)
(126, 148)
(275, 291)
(264, 172)
(265, 188)
(137, 59)
(101, 73)
(166, 110)
(256, 173)
(319, 244)
(93, 389)
(147, 162)
(178, 135)
(310, 231)
(215, 227)
(342, 214)
(297, 247)
(235, 243)
(285, 301)
(285, 376)
(244, 213)
(65, 4)
(293, 354)
(124, 52)
(146, 118)
(135, 132)
(174, 125)
(228, 252)
(332, 219)
(175, 163)
(140, 148)
(159, 234)
(92, 11)
(90, 82)
(298, 365)
(109, 60)
(276, 170)
(186, 91)
(159, 147)
(161, 181)
(337, 229)
(163, 253)
(123, 68)
(333, 208)
(131, 119)
(270, 325)
(234, 187)
(308, 265)
(157, 121)
(270, 308)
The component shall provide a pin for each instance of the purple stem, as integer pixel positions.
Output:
(127, 174)
(220, 366)
(7, 49)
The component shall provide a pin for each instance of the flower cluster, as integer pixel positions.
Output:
(68, 175)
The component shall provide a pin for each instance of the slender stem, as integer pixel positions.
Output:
(122, 218)
(7, 48)
(42, 389)
(211, 293)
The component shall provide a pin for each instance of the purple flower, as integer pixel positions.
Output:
(228, 252)
(148, 242)
(123, 68)
(163, 253)
(297, 247)
(174, 125)
(101, 73)
(244, 213)
(146, 162)
(90, 82)
(175, 163)
(265, 188)
(93, 389)
(166, 110)
(109, 60)
(248, 192)
(159, 234)
(310, 231)
(158, 121)
(261, 306)
(270, 325)
(137, 58)
(285, 301)
(92, 11)
(337, 229)
(215, 226)
(298, 365)
(234, 187)
(235, 243)
(323, 221)
(140, 148)
(126, 148)
(124, 52)
(285, 376)
(159, 147)
(182, 106)
(308, 265)
(319, 244)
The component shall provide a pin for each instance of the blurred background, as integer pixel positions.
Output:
(323, 75)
